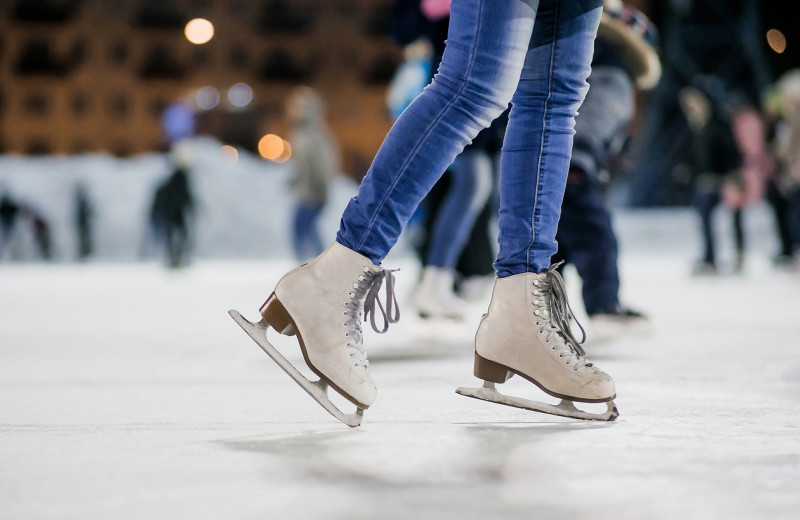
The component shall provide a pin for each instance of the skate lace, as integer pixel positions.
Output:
(552, 306)
(365, 296)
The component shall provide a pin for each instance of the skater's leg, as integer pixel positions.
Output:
(706, 202)
(322, 301)
(738, 234)
(526, 330)
(586, 230)
(305, 239)
(470, 188)
(486, 47)
(538, 142)
(780, 207)
(297, 232)
(794, 216)
(315, 244)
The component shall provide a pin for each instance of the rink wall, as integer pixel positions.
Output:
(243, 207)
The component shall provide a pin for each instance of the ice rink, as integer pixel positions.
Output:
(128, 393)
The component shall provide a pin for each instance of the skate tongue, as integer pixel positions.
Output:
(391, 301)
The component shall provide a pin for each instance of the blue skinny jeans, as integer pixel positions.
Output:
(305, 237)
(471, 182)
(535, 54)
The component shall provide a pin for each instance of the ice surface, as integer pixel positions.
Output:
(127, 392)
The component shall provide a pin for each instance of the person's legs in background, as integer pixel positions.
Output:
(780, 207)
(705, 203)
(586, 239)
(470, 188)
(305, 238)
(738, 237)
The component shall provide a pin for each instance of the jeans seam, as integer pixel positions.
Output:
(439, 117)
(544, 136)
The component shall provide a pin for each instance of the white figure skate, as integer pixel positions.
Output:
(526, 332)
(320, 303)
(435, 297)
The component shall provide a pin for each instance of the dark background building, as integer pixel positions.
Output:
(95, 75)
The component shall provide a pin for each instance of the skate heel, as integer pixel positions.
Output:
(276, 315)
(491, 371)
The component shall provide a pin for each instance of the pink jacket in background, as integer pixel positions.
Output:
(435, 9)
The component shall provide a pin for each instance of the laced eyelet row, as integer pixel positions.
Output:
(550, 321)
(365, 298)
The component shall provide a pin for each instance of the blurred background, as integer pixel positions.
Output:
(94, 92)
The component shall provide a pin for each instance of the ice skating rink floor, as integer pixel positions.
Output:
(126, 392)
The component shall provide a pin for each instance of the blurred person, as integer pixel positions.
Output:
(315, 161)
(40, 230)
(9, 213)
(716, 162)
(625, 59)
(172, 210)
(789, 148)
(84, 213)
(536, 55)
(410, 78)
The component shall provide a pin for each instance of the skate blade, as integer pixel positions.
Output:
(318, 390)
(565, 408)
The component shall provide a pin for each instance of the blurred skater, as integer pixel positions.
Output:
(40, 229)
(315, 161)
(625, 59)
(84, 214)
(789, 149)
(715, 161)
(9, 213)
(172, 211)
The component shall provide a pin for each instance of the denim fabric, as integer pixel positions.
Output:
(706, 203)
(305, 238)
(586, 239)
(495, 54)
(470, 188)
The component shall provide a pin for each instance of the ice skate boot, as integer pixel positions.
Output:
(435, 298)
(321, 303)
(526, 332)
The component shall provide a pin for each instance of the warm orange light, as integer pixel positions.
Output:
(199, 31)
(776, 40)
(231, 152)
(287, 153)
(271, 147)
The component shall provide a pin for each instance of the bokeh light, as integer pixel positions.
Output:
(231, 152)
(199, 31)
(776, 40)
(274, 148)
(271, 147)
(287, 152)
(206, 98)
(240, 95)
